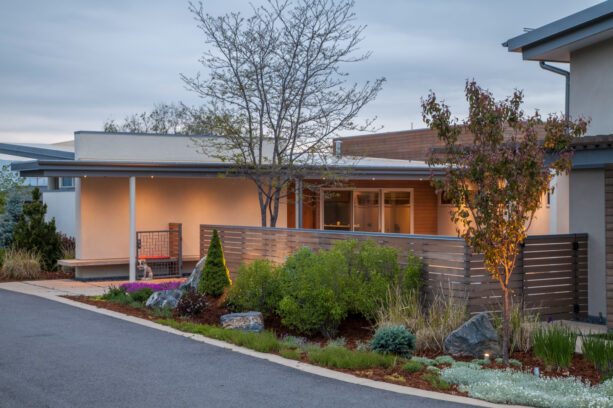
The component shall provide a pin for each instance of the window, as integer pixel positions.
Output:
(67, 182)
(371, 210)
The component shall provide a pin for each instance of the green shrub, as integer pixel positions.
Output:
(555, 345)
(215, 275)
(257, 288)
(141, 295)
(313, 293)
(600, 353)
(33, 233)
(293, 342)
(264, 342)
(113, 293)
(191, 303)
(393, 340)
(340, 357)
(20, 264)
(435, 381)
(413, 366)
(292, 354)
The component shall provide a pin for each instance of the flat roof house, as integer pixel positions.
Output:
(584, 200)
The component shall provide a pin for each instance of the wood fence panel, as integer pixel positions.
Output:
(550, 275)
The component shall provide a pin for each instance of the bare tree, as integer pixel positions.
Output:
(276, 80)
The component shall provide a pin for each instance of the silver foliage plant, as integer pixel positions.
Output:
(514, 387)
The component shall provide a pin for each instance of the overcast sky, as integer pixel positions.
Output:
(68, 65)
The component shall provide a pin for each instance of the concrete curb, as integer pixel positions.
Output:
(312, 369)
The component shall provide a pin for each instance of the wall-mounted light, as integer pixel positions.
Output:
(151, 176)
(85, 176)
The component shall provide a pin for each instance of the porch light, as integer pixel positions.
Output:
(151, 176)
(85, 176)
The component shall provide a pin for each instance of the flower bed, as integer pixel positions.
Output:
(134, 286)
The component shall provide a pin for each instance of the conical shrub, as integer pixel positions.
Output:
(215, 275)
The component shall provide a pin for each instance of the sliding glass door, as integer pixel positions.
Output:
(372, 210)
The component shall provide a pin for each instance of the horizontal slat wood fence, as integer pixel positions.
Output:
(550, 275)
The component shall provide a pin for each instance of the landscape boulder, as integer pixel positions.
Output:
(475, 338)
(193, 281)
(163, 298)
(250, 321)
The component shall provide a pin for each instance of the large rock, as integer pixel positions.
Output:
(163, 298)
(193, 281)
(250, 321)
(474, 338)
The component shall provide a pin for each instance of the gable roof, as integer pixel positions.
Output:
(555, 41)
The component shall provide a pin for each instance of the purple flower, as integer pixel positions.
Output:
(131, 287)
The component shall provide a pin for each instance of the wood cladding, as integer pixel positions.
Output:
(608, 204)
(406, 144)
(550, 277)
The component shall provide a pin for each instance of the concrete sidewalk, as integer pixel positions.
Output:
(65, 287)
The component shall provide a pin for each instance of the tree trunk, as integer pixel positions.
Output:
(505, 336)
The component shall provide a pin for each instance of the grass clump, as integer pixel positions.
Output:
(413, 366)
(293, 342)
(265, 341)
(162, 312)
(435, 381)
(338, 342)
(522, 326)
(21, 264)
(555, 345)
(340, 357)
(395, 377)
(599, 352)
(292, 354)
(431, 324)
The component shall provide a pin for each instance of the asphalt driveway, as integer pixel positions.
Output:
(55, 355)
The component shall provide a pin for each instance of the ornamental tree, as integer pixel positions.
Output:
(215, 274)
(32, 232)
(496, 184)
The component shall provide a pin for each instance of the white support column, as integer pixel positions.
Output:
(77, 215)
(132, 260)
(298, 203)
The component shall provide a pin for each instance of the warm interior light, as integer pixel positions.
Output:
(85, 176)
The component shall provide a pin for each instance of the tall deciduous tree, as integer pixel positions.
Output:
(277, 76)
(497, 183)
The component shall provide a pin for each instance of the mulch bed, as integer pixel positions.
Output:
(358, 329)
(43, 276)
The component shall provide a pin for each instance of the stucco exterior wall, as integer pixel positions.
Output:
(105, 210)
(587, 208)
(591, 86)
(61, 206)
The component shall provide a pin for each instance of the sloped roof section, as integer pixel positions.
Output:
(555, 41)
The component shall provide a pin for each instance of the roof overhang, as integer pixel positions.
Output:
(556, 41)
(80, 168)
(38, 153)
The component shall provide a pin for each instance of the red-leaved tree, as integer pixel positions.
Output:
(497, 182)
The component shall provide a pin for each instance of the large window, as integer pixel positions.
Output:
(372, 210)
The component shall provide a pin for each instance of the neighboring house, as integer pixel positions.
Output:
(583, 201)
(58, 192)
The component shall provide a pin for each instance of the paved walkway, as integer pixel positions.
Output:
(56, 355)
(62, 287)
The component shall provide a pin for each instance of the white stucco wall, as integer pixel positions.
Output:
(98, 146)
(591, 86)
(61, 206)
(540, 223)
(159, 201)
(588, 215)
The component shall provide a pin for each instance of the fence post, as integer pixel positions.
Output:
(467, 286)
(520, 269)
(576, 308)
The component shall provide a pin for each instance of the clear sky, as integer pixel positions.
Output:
(68, 65)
